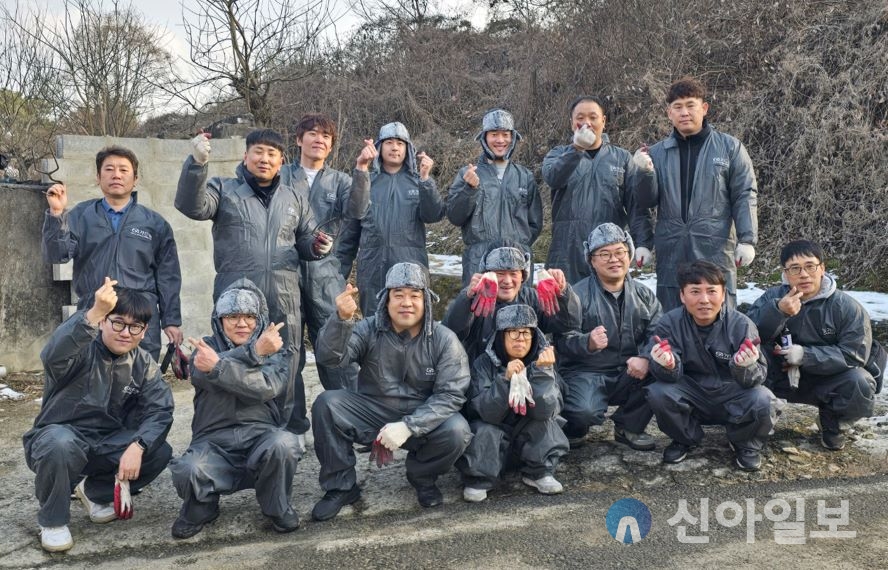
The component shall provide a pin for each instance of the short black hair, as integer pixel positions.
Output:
(117, 150)
(800, 247)
(266, 137)
(698, 272)
(132, 304)
(316, 122)
(593, 98)
(685, 87)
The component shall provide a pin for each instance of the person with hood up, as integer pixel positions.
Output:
(242, 403)
(605, 363)
(494, 198)
(403, 199)
(411, 386)
(513, 404)
(594, 182)
(502, 280)
(263, 228)
(830, 359)
(104, 417)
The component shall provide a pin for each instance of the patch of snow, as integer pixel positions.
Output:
(7, 393)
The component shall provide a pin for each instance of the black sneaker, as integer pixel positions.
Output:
(830, 431)
(638, 441)
(749, 460)
(833, 441)
(429, 496)
(675, 452)
(184, 529)
(287, 522)
(333, 501)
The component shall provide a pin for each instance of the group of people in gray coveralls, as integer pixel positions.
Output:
(523, 363)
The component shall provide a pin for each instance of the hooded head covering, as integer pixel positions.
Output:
(498, 120)
(517, 316)
(607, 234)
(506, 259)
(240, 298)
(413, 276)
(396, 131)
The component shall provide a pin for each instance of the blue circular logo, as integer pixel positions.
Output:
(628, 521)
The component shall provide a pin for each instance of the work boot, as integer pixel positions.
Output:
(547, 485)
(638, 441)
(56, 538)
(830, 431)
(748, 459)
(675, 452)
(182, 528)
(98, 513)
(333, 501)
(429, 496)
(287, 522)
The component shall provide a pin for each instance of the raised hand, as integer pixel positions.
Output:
(470, 176)
(662, 353)
(548, 289)
(57, 199)
(747, 354)
(367, 155)
(791, 303)
(346, 305)
(200, 148)
(642, 160)
(425, 165)
(484, 292)
(270, 340)
(546, 357)
(205, 358)
(584, 138)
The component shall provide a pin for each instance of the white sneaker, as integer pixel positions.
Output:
(98, 513)
(547, 485)
(300, 442)
(474, 495)
(55, 538)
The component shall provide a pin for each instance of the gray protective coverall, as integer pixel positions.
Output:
(706, 387)
(141, 255)
(393, 231)
(238, 435)
(587, 192)
(95, 404)
(723, 210)
(475, 333)
(536, 439)
(510, 209)
(835, 331)
(264, 245)
(421, 381)
(595, 380)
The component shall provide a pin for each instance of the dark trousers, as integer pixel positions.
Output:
(265, 462)
(61, 456)
(847, 397)
(684, 406)
(342, 418)
(588, 395)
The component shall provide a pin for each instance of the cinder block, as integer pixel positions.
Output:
(63, 271)
(67, 311)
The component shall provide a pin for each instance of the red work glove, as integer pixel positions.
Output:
(747, 354)
(547, 290)
(380, 454)
(123, 501)
(662, 353)
(485, 295)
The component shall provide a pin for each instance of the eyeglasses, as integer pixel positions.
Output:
(236, 318)
(809, 268)
(609, 255)
(135, 329)
(516, 334)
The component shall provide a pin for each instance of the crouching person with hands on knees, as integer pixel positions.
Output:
(708, 370)
(513, 404)
(411, 385)
(105, 415)
(242, 403)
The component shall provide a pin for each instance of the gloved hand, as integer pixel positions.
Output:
(642, 160)
(201, 148)
(643, 256)
(662, 353)
(322, 244)
(792, 354)
(380, 454)
(393, 435)
(793, 373)
(548, 291)
(584, 138)
(123, 501)
(485, 295)
(520, 393)
(744, 254)
(747, 354)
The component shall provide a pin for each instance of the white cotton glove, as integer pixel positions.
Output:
(643, 256)
(393, 435)
(520, 393)
(584, 138)
(744, 254)
(201, 149)
(642, 160)
(746, 355)
(123, 500)
(793, 354)
(793, 373)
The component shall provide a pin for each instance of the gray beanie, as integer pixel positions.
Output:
(238, 302)
(506, 259)
(396, 131)
(516, 317)
(607, 234)
(498, 120)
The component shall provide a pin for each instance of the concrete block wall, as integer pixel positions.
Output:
(160, 162)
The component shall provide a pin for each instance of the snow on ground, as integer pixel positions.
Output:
(7, 393)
